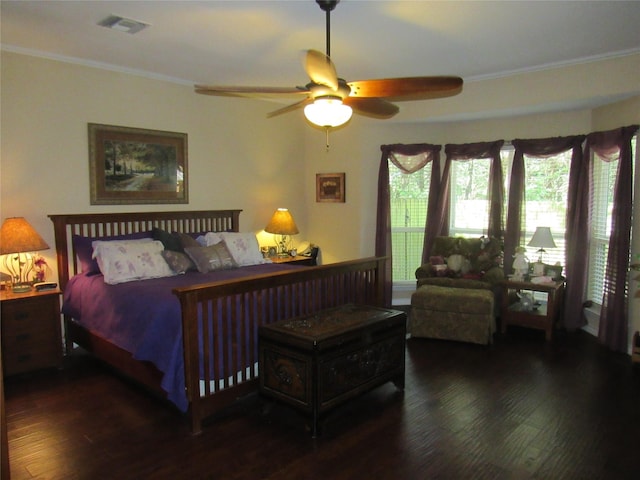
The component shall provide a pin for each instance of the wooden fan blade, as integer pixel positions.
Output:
(290, 108)
(407, 88)
(372, 107)
(320, 69)
(232, 91)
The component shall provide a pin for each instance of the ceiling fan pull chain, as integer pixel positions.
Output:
(327, 140)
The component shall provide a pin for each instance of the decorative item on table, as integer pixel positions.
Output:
(554, 271)
(5, 281)
(282, 225)
(526, 303)
(520, 265)
(18, 241)
(40, 268)
(542, 238)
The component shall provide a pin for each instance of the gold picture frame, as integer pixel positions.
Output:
(330, 187)
(137, 166)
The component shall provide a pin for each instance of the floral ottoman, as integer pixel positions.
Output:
(461, 314)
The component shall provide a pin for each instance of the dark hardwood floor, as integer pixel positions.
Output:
(521, 409)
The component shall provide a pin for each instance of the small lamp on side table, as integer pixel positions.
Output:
(17, 240)
(282, 224)
(542, 238)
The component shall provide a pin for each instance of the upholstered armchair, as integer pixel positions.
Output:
(457, 289)
(463, 263)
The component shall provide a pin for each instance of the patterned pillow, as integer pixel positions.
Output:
(208, 239)
(126, 260)
(84, 250)
(213, 257)
(178, 262)
(244, 248)
(187, 240)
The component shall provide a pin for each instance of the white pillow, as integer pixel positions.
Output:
(454, 262)
(244, 248)
(209, 238)
(126, 260)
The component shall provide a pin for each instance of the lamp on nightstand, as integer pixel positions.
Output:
(542, 238)
(17, 240)
(282, 224)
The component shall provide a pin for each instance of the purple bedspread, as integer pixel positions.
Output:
(144, 317)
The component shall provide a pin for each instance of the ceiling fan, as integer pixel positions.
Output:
(329, 100)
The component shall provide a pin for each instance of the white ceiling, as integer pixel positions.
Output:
(262, 42)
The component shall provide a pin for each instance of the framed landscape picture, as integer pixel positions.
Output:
(137, 166)
(330, 187)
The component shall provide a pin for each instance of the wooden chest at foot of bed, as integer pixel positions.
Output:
(317, 362)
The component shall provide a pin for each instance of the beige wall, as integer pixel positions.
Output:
(240, 159)
(237, 159)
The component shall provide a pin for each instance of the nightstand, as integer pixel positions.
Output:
(299, 260)
(31, 337)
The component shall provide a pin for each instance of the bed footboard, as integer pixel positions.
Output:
(220, 320)
(220, 323)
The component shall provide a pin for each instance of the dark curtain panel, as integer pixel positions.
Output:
(470, 151)
(610, 146)
(542, 147)
(409, 159)
(576, 237)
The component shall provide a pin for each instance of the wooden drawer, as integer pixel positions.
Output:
(30, 332)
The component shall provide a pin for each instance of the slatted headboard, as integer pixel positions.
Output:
(110, 224)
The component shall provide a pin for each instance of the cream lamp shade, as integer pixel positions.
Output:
(282, 224)
(17, 239)
(542, 239)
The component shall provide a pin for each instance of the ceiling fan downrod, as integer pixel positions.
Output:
(327, 6)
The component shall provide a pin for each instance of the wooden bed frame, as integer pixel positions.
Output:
(229, 310)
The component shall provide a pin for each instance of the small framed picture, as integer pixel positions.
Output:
(330, 187)
(554, 271)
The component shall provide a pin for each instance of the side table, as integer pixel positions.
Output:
(31, 336)
(543, 317)
(297, 260)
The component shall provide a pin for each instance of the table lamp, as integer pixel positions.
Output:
(17, 240)
(542, 238)
(282, 224)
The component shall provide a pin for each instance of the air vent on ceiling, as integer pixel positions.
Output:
(123, 24)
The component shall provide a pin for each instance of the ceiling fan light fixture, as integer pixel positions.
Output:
(328, 112)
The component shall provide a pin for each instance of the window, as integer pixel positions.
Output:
(469, 202)
(604, 179)
(546, 189)
(409, 195)
(545, 204)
